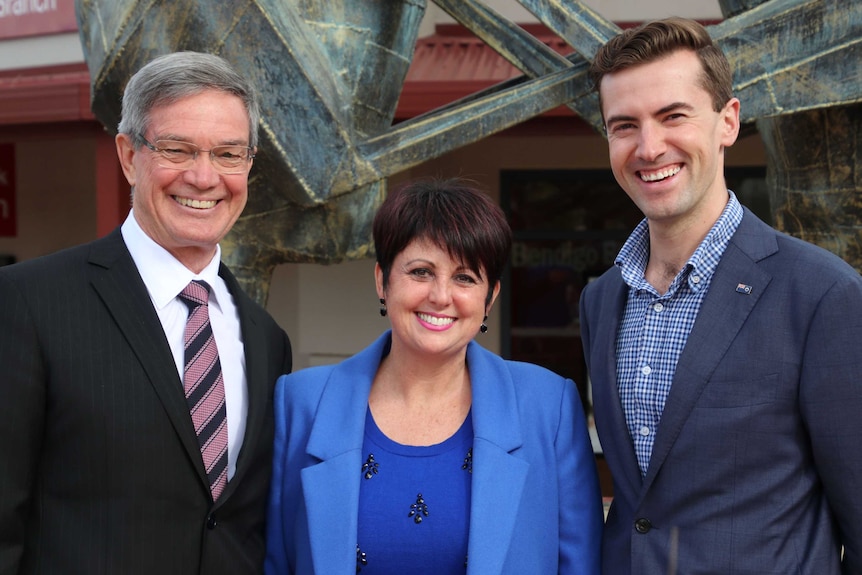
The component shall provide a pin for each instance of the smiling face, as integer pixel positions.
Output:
(436, 304)
(188, 212)
(666, 141)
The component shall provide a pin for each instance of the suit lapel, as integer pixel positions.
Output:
(722, 315)
(117, 281)
(618, 448)
(498, 476)
(331, 487)
(255, 373)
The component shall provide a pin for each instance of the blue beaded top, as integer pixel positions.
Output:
(414, 504)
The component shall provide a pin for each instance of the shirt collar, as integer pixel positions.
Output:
(634, 255)
(705, 258)
(163, 274)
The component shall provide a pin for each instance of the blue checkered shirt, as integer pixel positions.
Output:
(655, 326)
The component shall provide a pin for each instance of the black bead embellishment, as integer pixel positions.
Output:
(361, 560)
(370, 467)
(418, 510)
(468, 462)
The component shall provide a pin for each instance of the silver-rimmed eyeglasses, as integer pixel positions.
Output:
(227, 159)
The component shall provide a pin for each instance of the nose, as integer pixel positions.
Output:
(202, 174)
(441, 292)
(651, 143)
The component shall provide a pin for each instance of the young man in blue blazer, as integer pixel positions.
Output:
(724, 356)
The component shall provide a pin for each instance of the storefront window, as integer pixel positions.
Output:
(568, 227)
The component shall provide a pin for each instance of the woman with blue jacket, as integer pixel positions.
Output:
(425, 453)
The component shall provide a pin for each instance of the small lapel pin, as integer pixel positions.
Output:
(742, 288)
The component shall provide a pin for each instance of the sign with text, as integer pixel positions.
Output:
(8, 218)
(20, 18)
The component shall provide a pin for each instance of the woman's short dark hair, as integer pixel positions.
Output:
(451, 213)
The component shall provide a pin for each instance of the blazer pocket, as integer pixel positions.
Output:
(740, 393)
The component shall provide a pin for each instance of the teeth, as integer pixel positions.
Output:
(433, 320)
(660, 175)
(200, 204)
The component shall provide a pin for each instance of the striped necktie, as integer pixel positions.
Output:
(204, 385)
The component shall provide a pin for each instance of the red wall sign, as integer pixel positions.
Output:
(36, 17)
(8, 218)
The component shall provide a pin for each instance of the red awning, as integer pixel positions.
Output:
(50, 94)
(453, 63)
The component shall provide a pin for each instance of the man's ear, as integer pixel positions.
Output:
(730, 122)
(126, 153)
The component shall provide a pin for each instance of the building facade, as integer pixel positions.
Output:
(60, 183)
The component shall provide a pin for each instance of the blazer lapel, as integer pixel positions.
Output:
(256, 377)
(115, 278)
(331, 487)
(331, 490)
(722, 315)
(498, 476)
(610, 420)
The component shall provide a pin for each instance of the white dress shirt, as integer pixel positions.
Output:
(165, 277)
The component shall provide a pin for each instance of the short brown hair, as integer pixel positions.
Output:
(657, 39)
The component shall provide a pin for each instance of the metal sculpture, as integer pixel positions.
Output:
(331, 73)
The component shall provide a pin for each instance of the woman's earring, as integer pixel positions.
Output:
(383, 308)
(484, 328)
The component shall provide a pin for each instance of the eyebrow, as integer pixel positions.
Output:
(175, 138)
(462, 267)
(674, 106)
(659, 112)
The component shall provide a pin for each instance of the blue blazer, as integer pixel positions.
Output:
(757, 462)
(535, 506)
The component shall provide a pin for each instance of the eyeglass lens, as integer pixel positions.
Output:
(229, 159)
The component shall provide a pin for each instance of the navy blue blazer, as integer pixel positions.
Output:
(535, 508)
(757, 462)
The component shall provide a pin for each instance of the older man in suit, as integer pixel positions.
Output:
(724, 356)
(136, 394)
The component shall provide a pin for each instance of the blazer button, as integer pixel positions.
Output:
(211, 522)
(643, 525)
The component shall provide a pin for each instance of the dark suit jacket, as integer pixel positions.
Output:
(100, 470)
(757, 462)
(535, 506)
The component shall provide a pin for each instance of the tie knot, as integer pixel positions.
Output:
(195, 294)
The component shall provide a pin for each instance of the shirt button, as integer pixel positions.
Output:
(658, 307)
(695, 279)
(646, 370)
(644, 431)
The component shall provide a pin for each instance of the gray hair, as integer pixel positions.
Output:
(172, 77)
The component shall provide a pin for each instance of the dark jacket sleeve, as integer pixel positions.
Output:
(22, 401)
